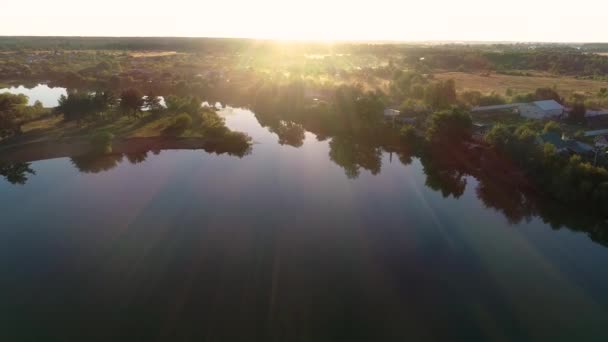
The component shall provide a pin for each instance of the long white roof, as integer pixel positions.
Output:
(496, 107)
(548, 105)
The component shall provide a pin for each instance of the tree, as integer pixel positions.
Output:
(471, 98)
(577, 113)
(12, 113)
(369, 107)
(449, 126)
(131, 101)
(547, 94)
(499, 136)
(77, 106)
(407, 134)
(492, 99)
(552, 127)
(441, 95)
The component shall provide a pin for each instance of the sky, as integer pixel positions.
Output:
(420, 20)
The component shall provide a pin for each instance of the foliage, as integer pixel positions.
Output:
(187, 104)
(542, 94)
(82, 105)
(568, 179)
(577, 113)
(491, 99)
(407, 133)
(449, 126)
(441, 95)
(552, 127)
(12, 113)
(131, 101)
(180, 124)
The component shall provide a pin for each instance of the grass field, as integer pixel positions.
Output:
(521, 84)
(143, 54)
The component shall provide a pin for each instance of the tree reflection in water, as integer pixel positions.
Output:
(353, 156)
(95, 163)
(137, 157)
(16, 173)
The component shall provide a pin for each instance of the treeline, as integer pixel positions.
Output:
(125, 43)
(562, 60)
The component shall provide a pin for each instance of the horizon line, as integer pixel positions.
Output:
(312, 40)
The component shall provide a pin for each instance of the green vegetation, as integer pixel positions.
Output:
(570, 179)
(14, 113)
(180, 124)
(449, 126)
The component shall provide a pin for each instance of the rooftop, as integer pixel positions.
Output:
(548, 105)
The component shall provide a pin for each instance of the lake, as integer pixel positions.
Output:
(283, 244)
(48, 96)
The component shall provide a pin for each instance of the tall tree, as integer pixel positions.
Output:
(12, 113)
(131, 101)
(449, 126)
(577, 113)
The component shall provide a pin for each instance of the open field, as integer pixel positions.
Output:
(142, 54)
(521, 84)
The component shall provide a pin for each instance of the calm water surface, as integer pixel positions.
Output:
(48, 96)
(281, 246)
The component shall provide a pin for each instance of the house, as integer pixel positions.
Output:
(596, 133)
(565, 146)
(542, 110)
(601, 141)
(391, 113)
(480, 130)
(508, 108)
(538, 110)
(596, 119)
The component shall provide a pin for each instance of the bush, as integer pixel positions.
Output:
(408, 134)
(449, 126)
(181, 123)
(102, 142)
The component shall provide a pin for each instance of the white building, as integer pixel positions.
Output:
(391, 113)
(542, 110)
(535, 110)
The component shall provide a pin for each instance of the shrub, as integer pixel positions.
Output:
(181, 123)
(408, 134)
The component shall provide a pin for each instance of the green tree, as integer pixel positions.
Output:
(577, 113)
(499, 136)
(552, 126)
(131, 101)
(547, 94)
(12, 113)
(449, 126)
(441, 95)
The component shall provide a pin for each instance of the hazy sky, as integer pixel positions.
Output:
(515, 20)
